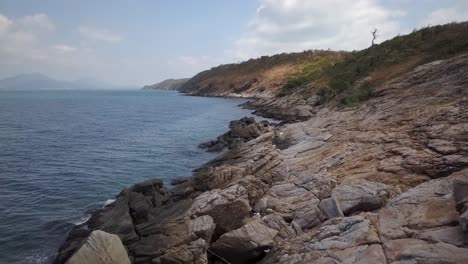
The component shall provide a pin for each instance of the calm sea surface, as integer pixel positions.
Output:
(63, 153)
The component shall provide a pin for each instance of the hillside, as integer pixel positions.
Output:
(169, 84)
(33, 81)
(293, 86)
(262, 77)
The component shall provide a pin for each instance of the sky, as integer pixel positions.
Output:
(142, 42)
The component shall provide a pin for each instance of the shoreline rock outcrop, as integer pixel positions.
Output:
(381, 183)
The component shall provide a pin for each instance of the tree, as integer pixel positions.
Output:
(374, 36)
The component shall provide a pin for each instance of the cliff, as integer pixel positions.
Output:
(367, 177)
(169, 84)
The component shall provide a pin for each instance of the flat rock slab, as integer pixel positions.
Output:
(428, 205)
(415, 251)
(101, 248)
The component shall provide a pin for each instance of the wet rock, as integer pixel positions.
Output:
(245, 244)
(361, 195)
(100, 248)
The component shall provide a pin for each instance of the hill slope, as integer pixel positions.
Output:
(169, 84)
(294, 86)
(262, 77)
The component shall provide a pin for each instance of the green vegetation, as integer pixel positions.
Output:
(234, 75)
(310, 71)
(427, 44)
(338, 78)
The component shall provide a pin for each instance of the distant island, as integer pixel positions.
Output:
(39, 81)
(169, 84)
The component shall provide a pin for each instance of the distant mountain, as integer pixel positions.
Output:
(169, 84)
(38, 81)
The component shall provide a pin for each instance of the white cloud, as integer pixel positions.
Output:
(37, 22)
(296, 25)
(5, 23)
(62, 48)
(19, 37)
(99, 34)
(445, 15)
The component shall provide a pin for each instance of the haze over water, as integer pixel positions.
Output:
(65, 152)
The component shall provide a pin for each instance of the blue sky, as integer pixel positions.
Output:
(142, 42)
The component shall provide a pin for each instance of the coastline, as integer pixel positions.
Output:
(373, 184)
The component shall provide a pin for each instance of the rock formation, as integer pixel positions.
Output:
(385, 182)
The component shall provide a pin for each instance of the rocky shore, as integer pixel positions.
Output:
(386, 182)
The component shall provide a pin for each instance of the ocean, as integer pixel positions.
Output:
(65, 153)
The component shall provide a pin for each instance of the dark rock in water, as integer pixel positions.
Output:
(134, 205)
(240, 131)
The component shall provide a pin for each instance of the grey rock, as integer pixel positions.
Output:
(361, 195)
(193, 253)
(202, 227)
(341, 233)
(308, 218)
(415, 251)
(448, 234)
(330, 208)
(276, 222)
(100, 248)
(245, 244)
(320, 185)
(426, 206)
(460, 193)
(229, 208)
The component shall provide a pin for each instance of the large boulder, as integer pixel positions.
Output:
(100, 248)
(245, 244)
(361, 195)
(427, 206)
(229, 208)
